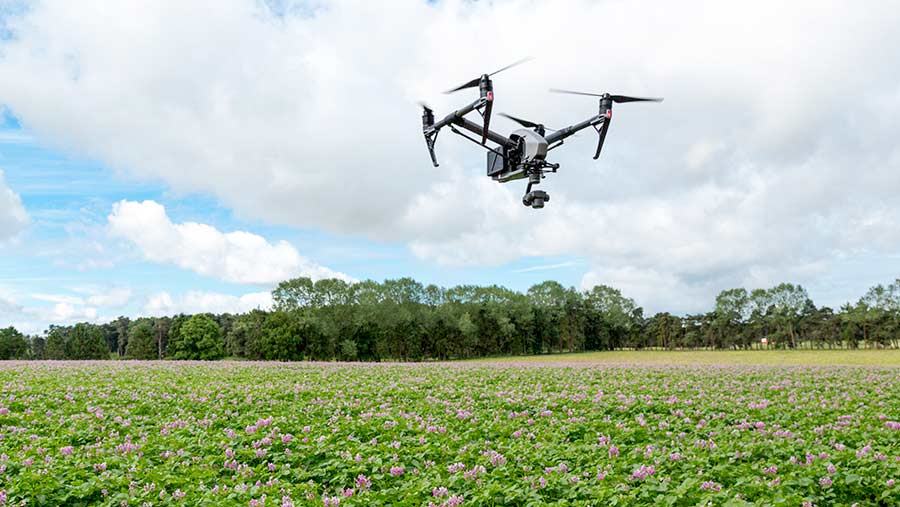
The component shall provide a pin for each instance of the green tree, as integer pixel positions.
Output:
(86, 341)
(122, 324)
(141, 340)
(38, 346)
(13, 344)
(57, 343)
(201, 338)
(731, 314)
(790, 305)
(245, 333)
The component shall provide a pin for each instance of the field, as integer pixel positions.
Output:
(883, 357)
(505, 433)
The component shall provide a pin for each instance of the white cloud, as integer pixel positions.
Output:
(113, 298)
(13, 217)
(546, 267)
(33, 316)
(109, 297)
(238, 256)
(774, 151)
(163, 303)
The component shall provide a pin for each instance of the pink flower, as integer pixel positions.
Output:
(643, 472)
(456, 467)
(825, 482)
(363, 482)
(710, 486)
(395, 471)
(67, 450)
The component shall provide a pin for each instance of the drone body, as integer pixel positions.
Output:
(522, 154)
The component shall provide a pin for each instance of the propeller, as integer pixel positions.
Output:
(525, 123)
(606, 101)
(538, 127)
(473, 83)
(619, 99)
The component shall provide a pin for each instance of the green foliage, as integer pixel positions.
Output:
(86, 341)
(199, 337)
(141, 343)
(13, 344)
(38, 346)
(237, 434)
(57, 343)
(405, 320)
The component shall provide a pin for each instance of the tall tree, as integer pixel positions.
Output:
(142, 340)
(201, 338)
(13, 344)
(57, 343)
(122, 324)
(86, 341)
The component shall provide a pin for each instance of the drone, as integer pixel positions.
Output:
(523, 154)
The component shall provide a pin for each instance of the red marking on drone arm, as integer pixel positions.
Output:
(490, 96)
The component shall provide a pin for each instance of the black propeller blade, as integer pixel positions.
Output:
(619, 99)
(525, 123)
(540, 128)
(514, 64)
(473, 83)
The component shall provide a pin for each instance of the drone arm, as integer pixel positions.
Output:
(480, 132)
(459, 113)
(561, 134)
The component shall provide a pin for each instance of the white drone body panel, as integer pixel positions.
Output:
(535, 145)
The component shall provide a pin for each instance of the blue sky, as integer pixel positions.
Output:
(152, 165)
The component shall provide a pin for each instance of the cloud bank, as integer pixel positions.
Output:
(238, 257)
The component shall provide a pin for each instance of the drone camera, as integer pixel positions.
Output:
(536, 199)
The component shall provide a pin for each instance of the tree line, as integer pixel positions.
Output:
(408, 321)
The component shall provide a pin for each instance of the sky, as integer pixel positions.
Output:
(160, 157)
